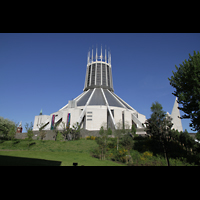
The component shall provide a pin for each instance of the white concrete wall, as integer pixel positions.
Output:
(141, 117)
(99, 116)
(39, 120)
(128, 118)
(74, 115)
(117, 114)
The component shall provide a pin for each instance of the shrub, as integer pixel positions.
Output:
(146, 155)
(90, 138)
(59, 136)
(119, 155)
(127, 142)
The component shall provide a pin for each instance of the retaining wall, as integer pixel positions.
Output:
(51, 135)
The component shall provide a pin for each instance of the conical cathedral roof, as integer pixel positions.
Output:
(100, 96)
(98, 88)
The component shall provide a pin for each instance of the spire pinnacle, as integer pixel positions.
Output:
(105, 55)
(101, 57)
(96, 54)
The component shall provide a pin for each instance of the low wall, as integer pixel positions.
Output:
(51, 135)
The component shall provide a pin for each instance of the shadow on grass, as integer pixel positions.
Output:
(19, 161)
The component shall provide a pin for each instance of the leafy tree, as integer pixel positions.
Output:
(6, 126)
(12, 132)
(29, 132)
(127, 142)
(65, 130)
(102, 141)
(76, 128)
(186, 82)
(186, 140)
(118, 132)
(158, 126)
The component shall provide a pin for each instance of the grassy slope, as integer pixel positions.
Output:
(65, 153)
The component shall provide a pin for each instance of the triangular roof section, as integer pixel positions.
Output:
(175, 115)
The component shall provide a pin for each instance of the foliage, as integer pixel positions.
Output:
(133, 129)
(109, 131)
(90, 138)
(127, 142)
(102, 142)
(71, 133)
(186, 81)
(197, 136)
(120, 155)
(76, 131)
(81, 150)
(118, 132)
(159, 125)
(12, 132)
(6, 127)
(29, 132)
(59, 136)
(146, 155)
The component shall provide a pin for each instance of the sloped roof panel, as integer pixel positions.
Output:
(112, 101)
(83, 100)
(97, 98)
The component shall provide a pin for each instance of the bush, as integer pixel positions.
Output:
(127, 142)
(90, 138)
(119, 155)
(59, 136)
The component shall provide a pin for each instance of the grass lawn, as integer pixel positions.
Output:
(50, 153)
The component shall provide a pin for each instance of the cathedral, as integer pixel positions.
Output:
(97, 105)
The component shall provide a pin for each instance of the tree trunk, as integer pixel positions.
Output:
(165, 153)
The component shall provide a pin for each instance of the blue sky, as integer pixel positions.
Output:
(45, 70)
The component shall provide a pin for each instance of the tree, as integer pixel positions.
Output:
(197, 136)
(76, 127)
(6, 126)
(186, 82)
(65, 130)
(158, 126)
(118, 132)
(12, 132)
(29, 132)
(127, 142)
